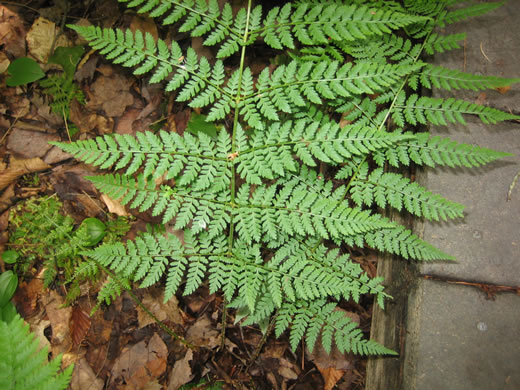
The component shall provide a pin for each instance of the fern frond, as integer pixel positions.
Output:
(469, 12)
(397, 191)
(440, 77)
(440, 43)
(297, 211)
(271, 152)
(204, 210)
(401, 242)
(432, 151)
(302, 83)
(199, 158)
(149, 257)
(309, 320)
(22, 365)
(192, 76)
(313, 24)
(439, 111)
(200, 18)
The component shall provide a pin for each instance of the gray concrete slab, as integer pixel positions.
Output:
(456, 339)
(462, 340)
(487, 242)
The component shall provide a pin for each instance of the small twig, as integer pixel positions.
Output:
(224, 323)
(484, 54)
(261, 343)
(8, 130)
(512, 186)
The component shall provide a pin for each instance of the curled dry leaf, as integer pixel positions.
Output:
(19, 168)
(181, 371)
(79, 324)
(114, 206)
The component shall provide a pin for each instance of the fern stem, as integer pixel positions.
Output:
(235, 121)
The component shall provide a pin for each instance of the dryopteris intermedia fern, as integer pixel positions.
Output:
(260, 224)
(23, 365)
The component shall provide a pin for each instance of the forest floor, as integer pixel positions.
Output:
(120, 346)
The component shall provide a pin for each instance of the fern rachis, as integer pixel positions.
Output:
(259, 223)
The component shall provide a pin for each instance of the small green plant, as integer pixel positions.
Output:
(61, 87)
(39, 230)
(23, 366)
(270, 204)
(8, 284)
(23, 71)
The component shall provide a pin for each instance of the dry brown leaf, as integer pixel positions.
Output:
(181, 371)
(203, 333)
(4, 62)
(41, 37)
(503, 90)
(12, 32)
(29, 144)
(27, 295)
(84, 378)
(114, 206)
(59, 317)
(144, 24)
(140, 364)
(79, 324)
(153, 301)
(111, 94)
(20, 168)
(331, 377)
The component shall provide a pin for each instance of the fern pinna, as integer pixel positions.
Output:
(264, 222)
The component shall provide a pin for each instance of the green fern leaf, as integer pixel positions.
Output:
(438, 111)
(313, 24)
(22, 366)
(397, 191)
(439, 77)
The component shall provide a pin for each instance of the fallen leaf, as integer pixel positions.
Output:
(4, 62)
(79, 324)
(114, 206)
(111, 94)
(153, 301)
(331, 376)
(12, 33)
(481, 99)
(145, 25)
(181, 371)
(59, 317)
(41, 37)
(503, 90)
(140, 364)
(27, 296)
(203, 333)
(84, 378)
(28, 144)
(20, 168)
